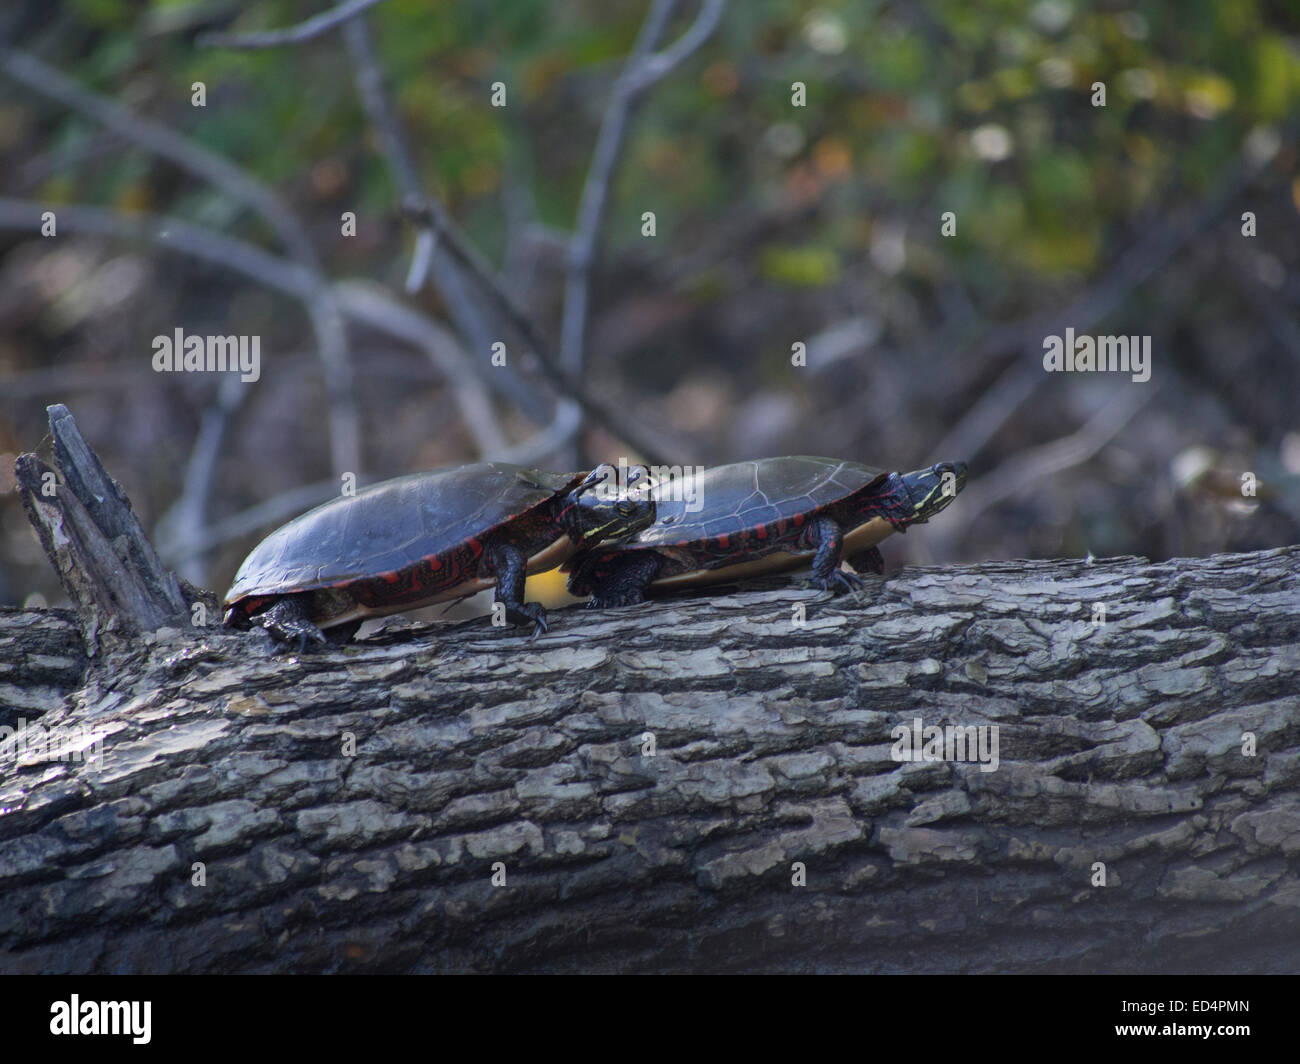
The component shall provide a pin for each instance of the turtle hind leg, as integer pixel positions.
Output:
(511, 568)
(827, 573)
(289, 622)
(624, 579)
(868, 561)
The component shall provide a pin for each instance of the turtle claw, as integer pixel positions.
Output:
(287, 622)
(298, 641)
(839, 581)
(529, 613)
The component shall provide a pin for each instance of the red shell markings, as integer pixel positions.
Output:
(395, 534)
(750, 506)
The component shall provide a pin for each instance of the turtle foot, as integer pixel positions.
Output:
(614, 599)
(839, 582)
(529, 613)
(303, 638)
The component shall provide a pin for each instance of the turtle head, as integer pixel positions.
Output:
(932, 489)
(609, 506)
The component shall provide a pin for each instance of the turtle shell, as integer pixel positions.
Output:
(413, 539)
(749, 516)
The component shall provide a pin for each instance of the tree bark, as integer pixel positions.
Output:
(105, 562)
(1124, 747)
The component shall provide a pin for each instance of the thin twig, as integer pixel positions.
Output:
(563, 427)
(303, 31)
(595, 192)
(643, 68)
(662, 63)
(331, 336)
(397, 151)
(266, 514)
(648, 447)
(1026, 468)
(376, 308)
(158, 140)
(1023, 470)
(194, 241)
(187, 517)
(1025, 374)
(421, 259)
(1268, 307)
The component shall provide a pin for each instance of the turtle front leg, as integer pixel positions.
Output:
(619, 579)
(827, 573)
(511, 568)
(289, 621)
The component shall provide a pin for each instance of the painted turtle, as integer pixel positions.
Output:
(766, 516)
(426, 538)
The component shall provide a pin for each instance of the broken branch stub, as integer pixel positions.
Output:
(106, 564)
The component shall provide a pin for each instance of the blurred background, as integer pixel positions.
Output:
(774, 225)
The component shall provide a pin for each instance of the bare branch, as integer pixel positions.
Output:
(595, 193)
(568, 419)
(187, 517)
(374, 307)
(460, 303)
(643, 69)
(1023, 377)
(370, 304)
(331, 337)
(267, 514)
(421, 258)
(303, 31)
(159, 140)
(647, 445)
(195, 241)
(1028, 467)
(379, 109)
(377, 310)
(1280, 322)
(662, 63)
(327, 323)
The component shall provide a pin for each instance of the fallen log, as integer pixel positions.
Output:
(693, 784)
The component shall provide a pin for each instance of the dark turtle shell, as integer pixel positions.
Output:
(411, 540)
(749, 516)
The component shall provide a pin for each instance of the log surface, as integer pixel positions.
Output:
(347, 809)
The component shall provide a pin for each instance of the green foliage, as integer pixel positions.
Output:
(944, 105)
(800, 265)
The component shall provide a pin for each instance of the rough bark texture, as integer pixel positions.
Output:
(1119, 743)
(105, 562)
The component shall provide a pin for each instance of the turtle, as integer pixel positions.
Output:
(764, 516)
(426, 538)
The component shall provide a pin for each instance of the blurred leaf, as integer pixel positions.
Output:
(799, 265)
